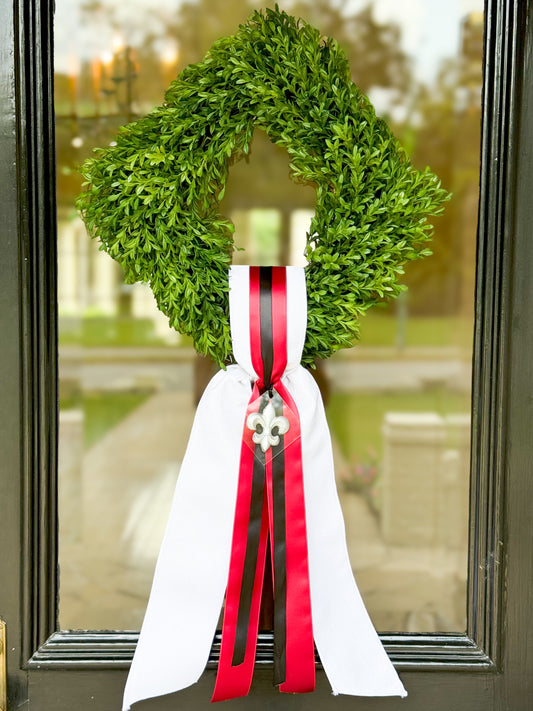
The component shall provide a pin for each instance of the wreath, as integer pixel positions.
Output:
(153, 198)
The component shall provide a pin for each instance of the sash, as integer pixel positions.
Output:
(258, 466)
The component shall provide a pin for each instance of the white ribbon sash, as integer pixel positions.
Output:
(192, 569)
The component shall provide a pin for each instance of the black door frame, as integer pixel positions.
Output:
(484, 669)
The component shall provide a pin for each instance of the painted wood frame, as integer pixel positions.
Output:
(484, 669)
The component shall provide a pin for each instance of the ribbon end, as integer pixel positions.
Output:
(224, 692)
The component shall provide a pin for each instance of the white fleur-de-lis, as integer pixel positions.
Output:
(268, 426)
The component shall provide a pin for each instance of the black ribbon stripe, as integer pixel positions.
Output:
(280, 554)
(266, 332)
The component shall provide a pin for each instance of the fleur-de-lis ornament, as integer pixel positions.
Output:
(268, 426)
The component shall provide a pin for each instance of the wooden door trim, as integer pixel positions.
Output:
(84, 650)
(38, 316)
(42, 645)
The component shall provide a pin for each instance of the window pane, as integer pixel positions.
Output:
(398, 403)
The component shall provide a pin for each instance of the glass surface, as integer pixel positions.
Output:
(398, 403)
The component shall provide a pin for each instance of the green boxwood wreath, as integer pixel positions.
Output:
(153, 198)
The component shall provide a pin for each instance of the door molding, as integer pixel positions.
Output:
(38, 318)
(508, 40)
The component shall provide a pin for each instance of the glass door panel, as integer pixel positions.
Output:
(398, 402)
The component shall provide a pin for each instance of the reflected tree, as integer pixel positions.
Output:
(374, 49)
(438, 124)
(447, 117)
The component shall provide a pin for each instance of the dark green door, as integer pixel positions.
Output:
(488, 667)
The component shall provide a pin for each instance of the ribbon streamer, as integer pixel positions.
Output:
(215, 519)
(270, 498)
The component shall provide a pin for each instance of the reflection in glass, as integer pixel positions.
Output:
(398, 403)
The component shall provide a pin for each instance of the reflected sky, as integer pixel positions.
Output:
(430, 28)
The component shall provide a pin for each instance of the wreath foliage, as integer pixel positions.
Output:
(153, 198)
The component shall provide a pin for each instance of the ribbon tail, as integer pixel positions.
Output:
(271, 500)
(192, 569)
(299, 645)
(350, 650)
(245, 579)
(276, 510)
